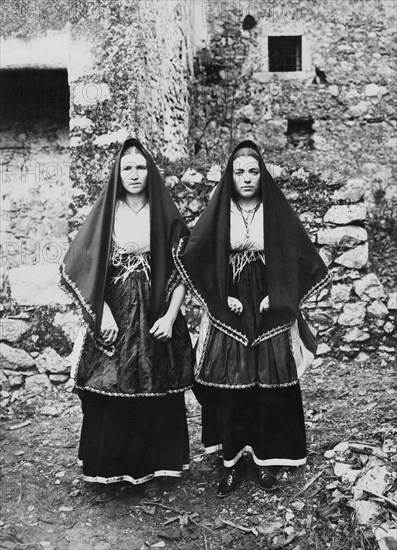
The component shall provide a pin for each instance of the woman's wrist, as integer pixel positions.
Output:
(170, 317)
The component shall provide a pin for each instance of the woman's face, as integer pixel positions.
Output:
(246, 177)
(133, 173)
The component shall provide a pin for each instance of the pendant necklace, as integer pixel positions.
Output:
(247, 221)
(137, 211)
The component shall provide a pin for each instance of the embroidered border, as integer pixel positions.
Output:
(80, 303)
(205, 345)
(76, 290)
(242, 386)
(278, 330)
(237, 335)
(327, 279)
(273, 332)
(199, 366)
(173, 281)
(116, 394)
(229, 331)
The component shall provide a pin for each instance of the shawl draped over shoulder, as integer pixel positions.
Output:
(294, 268)
(84, 272)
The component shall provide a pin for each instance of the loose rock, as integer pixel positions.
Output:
(191, 177)
(354, 259)
(340, 293)
(353, 191)
(353, 314)
(392, 301)
(345, 214)
(37, 383)
(215, 173)
(15, 359)
(367, 512)
(359, 110)
(195, 205)
(51, 361)
(11, 330)
(15, 380)
(171, 181)
(377, 309)
(335, 235)
(369, 288)
(355, 335)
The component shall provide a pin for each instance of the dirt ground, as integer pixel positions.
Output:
(46, 505)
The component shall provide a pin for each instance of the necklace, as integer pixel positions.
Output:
(252, 210)
(136, 211)
(247, 221)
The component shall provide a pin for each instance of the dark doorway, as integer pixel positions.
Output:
(31, 96)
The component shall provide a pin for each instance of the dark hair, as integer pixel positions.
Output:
(132, 149)
(247, 152)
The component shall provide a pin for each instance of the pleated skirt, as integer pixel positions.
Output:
(133, 440)
(267, 423)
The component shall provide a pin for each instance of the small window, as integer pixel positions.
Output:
(285, 53)
(300, 133)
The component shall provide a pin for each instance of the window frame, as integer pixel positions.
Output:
(279, 56)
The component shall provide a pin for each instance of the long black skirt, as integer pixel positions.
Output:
(134, 440)
(266, 422)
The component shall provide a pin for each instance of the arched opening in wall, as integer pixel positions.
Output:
(300, 133)
(35, 148)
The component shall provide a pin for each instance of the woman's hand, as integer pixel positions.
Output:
(264, 304)
(235, 305)
(162, 328)
(109, 328)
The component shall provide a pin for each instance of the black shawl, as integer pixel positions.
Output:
(85, 269)
(294, 268)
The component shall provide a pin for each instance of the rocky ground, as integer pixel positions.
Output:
(345, 498)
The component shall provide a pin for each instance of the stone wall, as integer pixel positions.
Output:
(330, 136)
(350, 103)
(356, 315)
(35, 185)
(138, 85)
(130, 69)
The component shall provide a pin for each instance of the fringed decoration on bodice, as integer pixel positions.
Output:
(239, 259)
(129, 262)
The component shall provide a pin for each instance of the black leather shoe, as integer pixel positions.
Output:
(228, 483)
(105, 493)
(152, 491)
(268, 478)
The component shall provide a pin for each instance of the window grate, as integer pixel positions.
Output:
(285, 53)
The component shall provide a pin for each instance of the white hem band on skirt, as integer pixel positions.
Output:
(258, 461)
(116, 479)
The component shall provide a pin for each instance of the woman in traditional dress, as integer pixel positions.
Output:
(134, 357)
(251, 265)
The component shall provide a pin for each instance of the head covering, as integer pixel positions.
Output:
(85, 269)
(294, 269)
